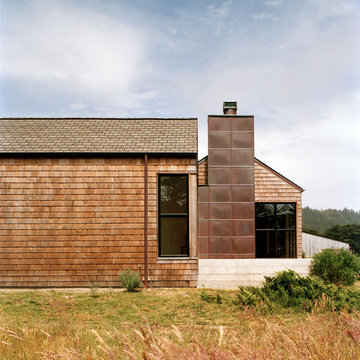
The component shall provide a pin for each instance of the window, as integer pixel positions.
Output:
(275, 230)
(173, 215)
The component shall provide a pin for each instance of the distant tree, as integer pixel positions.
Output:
(311, 231)
(348, 233)
(321, 220)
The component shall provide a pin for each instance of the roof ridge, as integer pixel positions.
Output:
(92, 118)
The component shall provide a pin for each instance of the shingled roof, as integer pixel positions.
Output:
(80, 135)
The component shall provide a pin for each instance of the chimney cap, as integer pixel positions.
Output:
(230, 107)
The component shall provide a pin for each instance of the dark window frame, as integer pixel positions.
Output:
(173, 215)
(277, 230)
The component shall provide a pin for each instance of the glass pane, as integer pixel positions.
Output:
(173, 194)
(285, 216)
(174, 236)
(265, 244)
(286, 244)
(265, 216)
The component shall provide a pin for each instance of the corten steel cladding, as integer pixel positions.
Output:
(226, 205)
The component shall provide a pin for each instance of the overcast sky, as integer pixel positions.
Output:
(294, 64)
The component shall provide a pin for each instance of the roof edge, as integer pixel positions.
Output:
(269, 168)
(279, 175)
(94, 118)
(96, 153)
(232, 115)
(323, 237)
(203, 159)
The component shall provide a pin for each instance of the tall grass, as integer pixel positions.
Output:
(318, 336)
(167, 324)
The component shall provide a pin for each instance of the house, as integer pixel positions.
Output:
(84, 199)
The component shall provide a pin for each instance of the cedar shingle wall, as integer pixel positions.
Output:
(271, 188)
(203, 173)
(168, 273)
(73, 222)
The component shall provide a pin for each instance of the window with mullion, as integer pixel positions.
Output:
(275, 230)
(173, 210)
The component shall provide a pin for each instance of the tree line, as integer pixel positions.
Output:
(341, 225)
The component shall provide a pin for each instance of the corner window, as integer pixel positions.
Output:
(173, 210)
(275, 230)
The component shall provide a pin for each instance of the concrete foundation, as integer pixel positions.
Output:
(231, 273)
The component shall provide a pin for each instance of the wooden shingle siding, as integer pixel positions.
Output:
(271, 188)
(203, 172)
(68, 222)
(164, 272)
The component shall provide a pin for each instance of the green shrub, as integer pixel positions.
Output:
(205, 296)
(248, 296)
(337, 266)
(287, 289)
(130, 280)
(94, 288)
(291, 289)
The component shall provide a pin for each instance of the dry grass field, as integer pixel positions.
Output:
(165, 324)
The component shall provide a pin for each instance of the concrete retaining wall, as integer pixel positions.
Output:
(231, 273)
(312, 244)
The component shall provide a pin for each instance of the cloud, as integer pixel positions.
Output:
(264, 16)
(319, 151)
(57, 45)
(306, 110)
(273, 2)
(217, 16)
(218, 12)
(334, 8)
(78, 106)
(298, 75)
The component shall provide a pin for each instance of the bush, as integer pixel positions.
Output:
(205, 296)
(290, 289)
(287, 289)
(337, 266)
(130, 280)
(248, 296)
(94, 288)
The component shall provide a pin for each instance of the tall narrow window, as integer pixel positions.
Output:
(173, 215)
(275, 230)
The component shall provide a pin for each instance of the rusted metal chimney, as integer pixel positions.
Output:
(226, 206)
(230, 107)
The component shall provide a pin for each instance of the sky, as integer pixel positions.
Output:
(293, 64)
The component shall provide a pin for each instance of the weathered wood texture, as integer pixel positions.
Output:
(170, 272)
(269, 187)
(203, 172)
(75, 222)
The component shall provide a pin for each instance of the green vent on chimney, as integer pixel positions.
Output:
(230, 105)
